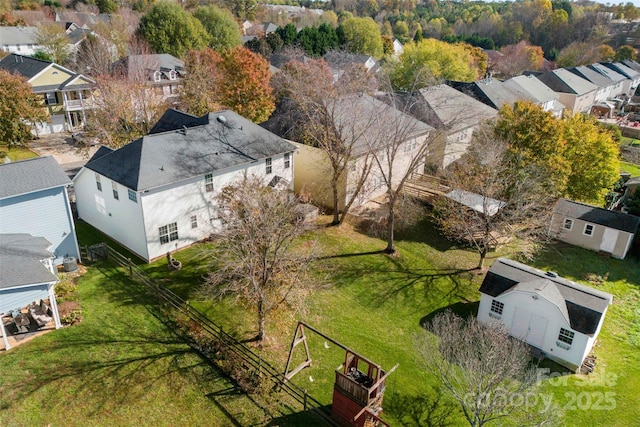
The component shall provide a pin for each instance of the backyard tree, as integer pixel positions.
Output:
(19, 109)
(328, 115)
(224, 32)
(486, 371)
(246, 89)
(535, 138)
(518, 58)
(170, 29)
(259, 259)
(494, 199)
(594, 156)
(199, 94)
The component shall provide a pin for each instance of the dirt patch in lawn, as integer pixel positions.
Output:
(630, 154)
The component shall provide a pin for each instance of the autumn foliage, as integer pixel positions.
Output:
(19, 109)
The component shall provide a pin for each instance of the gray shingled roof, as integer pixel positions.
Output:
(489, 91)
(24, 65)
(442, 106)
(156, 62)
(596, 215)
(584, 305)
(18, 35)
(227, 140)
(622, 69)
(31, 175)
(608, 72)
(20, 256)
(531, 88)
(174, 119)
(592, 75)
(565, 81)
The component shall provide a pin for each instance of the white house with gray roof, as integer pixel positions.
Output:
(34, 200)
(20, 40)
(157, 194)
(555, 315)
(621, 84)
(28, 276)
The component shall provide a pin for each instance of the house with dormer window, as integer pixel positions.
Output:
(557, 316)
(162, 72)
(66, 95)
(157, 194)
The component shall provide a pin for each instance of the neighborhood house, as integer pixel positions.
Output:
(34, 200)
(555, 315)
(156, 194)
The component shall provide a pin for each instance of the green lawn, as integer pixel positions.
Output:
(634, 170)
(16, 153)
(370, 302)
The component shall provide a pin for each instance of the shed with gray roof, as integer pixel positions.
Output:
(594, 228)
(556, 315)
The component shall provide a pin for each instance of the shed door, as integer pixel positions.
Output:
(609, 240)
(537, 329)
(520, 325)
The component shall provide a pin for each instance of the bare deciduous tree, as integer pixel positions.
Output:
(259, 259)
(327, 114)
(494, 199)
(486, 371)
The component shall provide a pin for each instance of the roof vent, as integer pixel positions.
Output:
(551, 274)
(222, 119)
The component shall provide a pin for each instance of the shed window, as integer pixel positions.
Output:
(194, 221)
(133, 196)
(565, 336)
(98, 183)
(168, 233)
(269, 169)
(208, 182)
(114, 187)
(568, 224)
(497, 306)
(588, 229)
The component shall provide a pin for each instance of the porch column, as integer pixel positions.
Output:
(4, 336)
(54, 306)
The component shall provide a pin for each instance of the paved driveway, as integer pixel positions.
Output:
(63, 148)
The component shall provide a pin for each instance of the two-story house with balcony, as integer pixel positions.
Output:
(66, 95)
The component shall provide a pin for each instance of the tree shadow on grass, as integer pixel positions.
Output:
(462, 309)
(429, 409)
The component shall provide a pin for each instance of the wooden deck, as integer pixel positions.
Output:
(425, 187)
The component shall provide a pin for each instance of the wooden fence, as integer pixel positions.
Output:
(250, 360)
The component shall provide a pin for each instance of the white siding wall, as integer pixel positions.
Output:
(515, 300)
(457, 145)
(119, 219)
(180, 201)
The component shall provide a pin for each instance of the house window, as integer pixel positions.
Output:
(157, 76)
(133, 196)
(194, 221)
(497, 306)
(568, 224)
(50, 98)
(410, 146)
(114, 187)
(98, 183)
(565, 336)
(208, 182)
(168, 233)
(287, 160)
(172, 75)
(268, 164)
(588, 229)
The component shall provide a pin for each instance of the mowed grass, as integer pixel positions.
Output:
(370, 302)
(121, 366)
(631, 168)
(16, 153)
